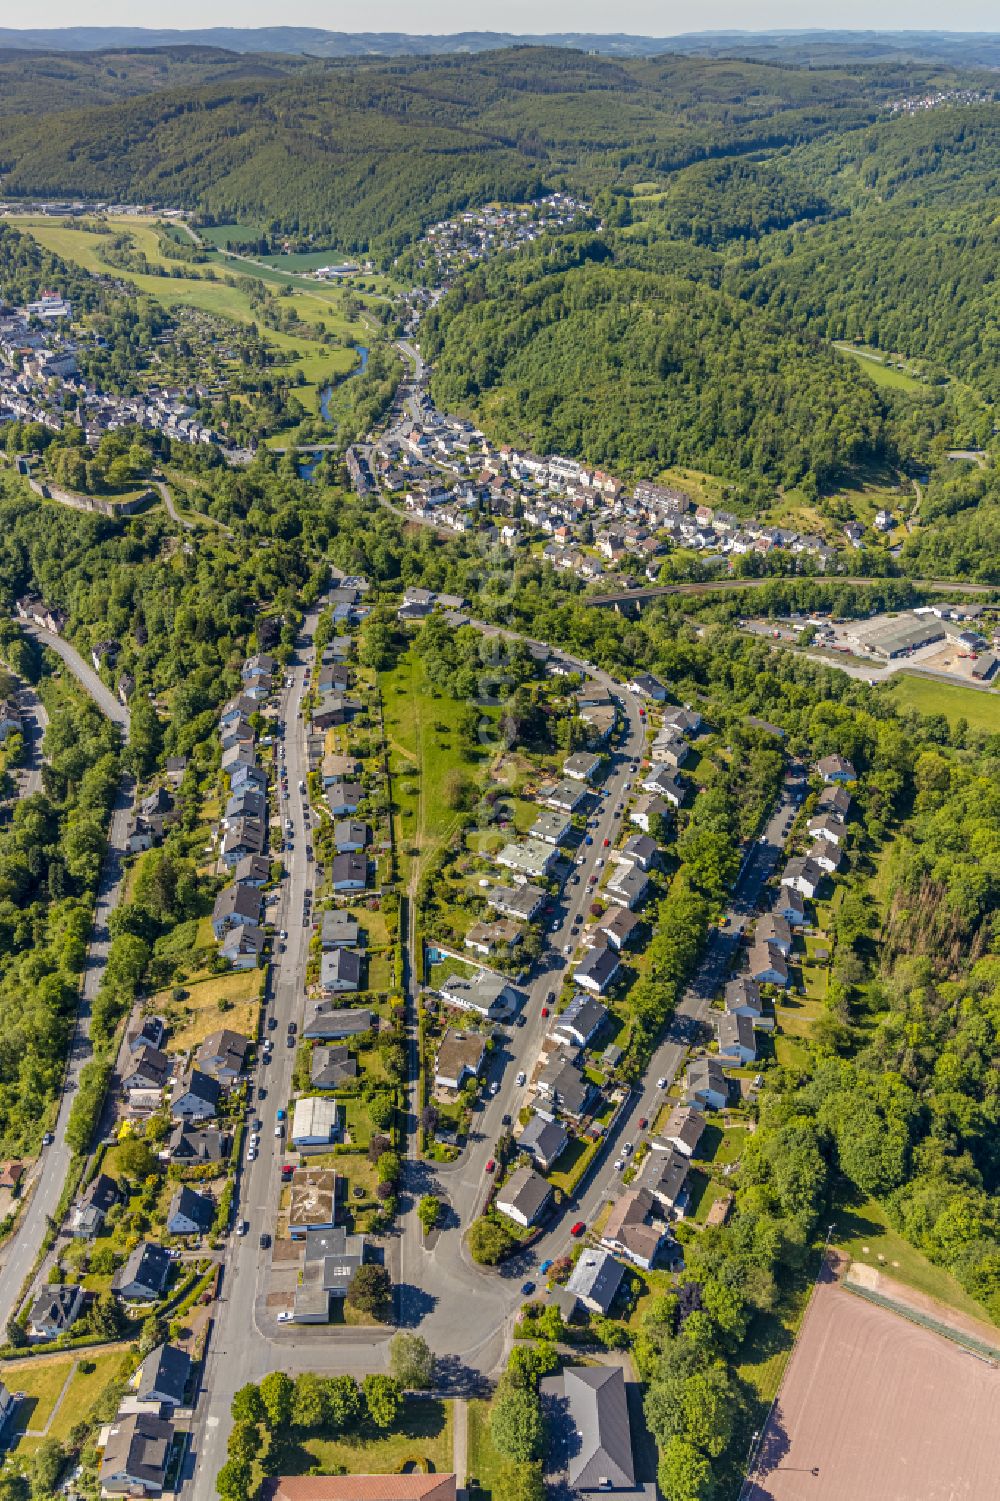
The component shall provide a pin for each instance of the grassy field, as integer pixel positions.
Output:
(882, 374)
(953, 700)
(41, 1380)
(314, 303)
(862, 1231)
(83, 1391)
(200, 1013)
(485, 1465)
(425, 753)
(424, 1432)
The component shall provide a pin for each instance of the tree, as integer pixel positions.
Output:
(529, 1363)
(684, 1474)
(411, 1362)
(47, 1465)
(382, 1111)
(277, 1392)
(429, 1212)
(106, 1317)
(488, 1241)
(248, 1405)
(136, 1160)
(310, 1403)
(383, 1400)
(370, 1289)
(519, 1482)
(344, 1402)
(244, 1443)
(516, 1423)
(233, 1481)
(388, 1167)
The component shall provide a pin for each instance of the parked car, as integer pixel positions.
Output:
(521, 1077)
(494, 1086)
(643, 1122)
(48, 1139)
(243, 1227)
(527, 1288)
(287, 1169)
(545, 1266)
(281, 1115)
(545, 1010)
(285, 1317)
(491, 1165)
(619, 1164)
(265, 1240)
(578, 1228)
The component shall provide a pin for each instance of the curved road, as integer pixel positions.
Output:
(17, 1257)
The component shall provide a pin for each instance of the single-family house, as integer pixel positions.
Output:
(647, 810)
(767, 965)
(350, 835)
(599, 1438)
(149, 1032)
(646, 686)
(344, 797)
(682, 1132)
(580, 1022)
(190, 1213)
(329, 1068)
(146, 1069)
(774, 930)
(135, 1458)
(829, 857)
(55, 1310)
(195, 1097)
(665, 1175)
(243, 947)
(640, 850)
(596, 1278)
(564, 1087)
(803, 875)
(551, 827)
(234, 906)
(617, 926)
(834, 801)
(100, 1195)
(338, 930)
(340, 971)
(828, 827)
(662, 782)
(313, 1200)
(528, 857)
(349, 872)
(144, 1276)
(836, 769)
(500, 937)
(331, 1259)
(191, 1148)
(223, 1055)
(325, 1022)
(581, 766)
(790, 905)
(706, 1085)
(737, 1044)
(543, 1140)
(525, 1196)
(565, 796)
(520, 902)
(629, 1231)
(460, 1057)
(163, 1376)
(627, 885)
(486, 993)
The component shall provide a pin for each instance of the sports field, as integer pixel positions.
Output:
(874, 1408)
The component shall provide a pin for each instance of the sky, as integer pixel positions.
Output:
(645, 17)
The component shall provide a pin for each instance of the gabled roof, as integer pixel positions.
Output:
(597, 1276)
(163, 1375)
(415, 1487)
(595, 1396)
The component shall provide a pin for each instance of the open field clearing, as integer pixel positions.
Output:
(980, 710)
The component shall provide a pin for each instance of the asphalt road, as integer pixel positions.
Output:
(19, 1253)
(99, 691)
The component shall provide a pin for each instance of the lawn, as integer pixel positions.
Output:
(424, 1432)
(41, 1380)
(485, 1465)
(425, 754)
(862, 1231)
(874, 365)
(85, 1388)
(572, 1163)
(201, 1013)
(928, 696)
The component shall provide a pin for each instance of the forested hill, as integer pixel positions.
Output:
(371, 152)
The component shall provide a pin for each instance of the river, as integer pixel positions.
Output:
(308, 467)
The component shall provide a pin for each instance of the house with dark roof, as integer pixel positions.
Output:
(243, 947)
(665, 1175)
(144, 1276)
(252, 870)
(581, 766)
(223, 1055)
(55, 1310)
(235, 905)
(596, 1278)
(543, 1140)
(790, 904)
(617, 926)
(580, 1022)
(682, 1132)
(331, 1259)
(706, 1085)
(775, 931)
(566, 796)
(99, 1196)
(195, 1097)
(189, 1147)
(163, 1376)
(349, 872)
(627, 885)
(340, 971)
(640, 850)
(339, 930)
(766, 964)
(147, 1068)
(737, 1045)
(344, 797)
(329, 1068)
(150, 1032)
(190, 1213)
(597, 968)
(524, 1197)
(564, 1086)
(589, 1402)
(325, 1022)
(803, 876)
(136, 1455)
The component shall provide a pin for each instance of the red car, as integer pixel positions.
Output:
(490, 1166)
(545, 1010)
(578, 1228)
(607, 843)
(286, 1172)
(642, 1123)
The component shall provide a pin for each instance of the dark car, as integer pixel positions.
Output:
(265, 1240)
(292, 1028)
(527, 1288)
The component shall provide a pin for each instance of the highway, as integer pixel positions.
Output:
(18, 1255)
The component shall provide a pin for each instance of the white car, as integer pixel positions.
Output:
(279, 1129)
(252, 1154)
(661, 1083)
(494, 1086)
(521, 1077)
(619, 1164)
(285, 1317)
(255, 1138)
